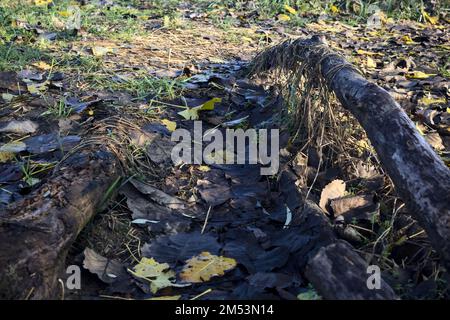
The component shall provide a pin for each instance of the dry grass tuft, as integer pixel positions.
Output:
(315, 117)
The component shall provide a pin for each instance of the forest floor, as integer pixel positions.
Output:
(69, 74)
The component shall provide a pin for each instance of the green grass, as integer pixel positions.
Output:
(140, 86)
(15, 57)
(58, 110)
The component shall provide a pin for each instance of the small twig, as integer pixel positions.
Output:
(62, 288)
(206, 219)
(202, 294)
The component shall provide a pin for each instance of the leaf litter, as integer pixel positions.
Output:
(246, 213)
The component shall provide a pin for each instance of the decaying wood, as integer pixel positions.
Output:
(339, 273)
(36, 233)
(330, 264)
(420, 177)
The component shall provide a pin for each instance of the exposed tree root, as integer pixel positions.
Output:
(420, 177)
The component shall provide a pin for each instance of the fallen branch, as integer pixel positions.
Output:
(420, 177)
(330, 264)
(37, 232)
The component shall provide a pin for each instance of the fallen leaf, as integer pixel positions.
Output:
(6, 156)
(7, 97)
(334, 9)
(180, 247)
(42, 2)
(17, 126)
(170, 125)
(430, 19)
(335, 189)
(368, 53)
(203, 267)
(283, 17)
(37, 88)
(158, 196)
(64, 13)
(371, 63)
(204, 168)
(42, 65)
(192, 113)
(270, 280)
(106, 269)
(290, 9)
(435, 140)
(429, 101)
(50, 142)
(359, 206)
(214, 194)
(209, 105)
(13, 147)
(407, 40)
(99, 51)
(158, 274)
(309, 295)
(419, 75)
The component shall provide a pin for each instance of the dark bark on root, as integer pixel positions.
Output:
(420, 177)
(36, 233)
(329, 264)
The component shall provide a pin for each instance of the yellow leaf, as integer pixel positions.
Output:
(203, 267)
(209, 105)
(334, 9)
(42, 2)
(407, 40)
(100, 51)
(90, 112)
(368, 53)
(158, 274)
(419, 75)
(427, 101)
(430, 19)
(170, 125)
(64, 14)
(6, 156)
(371, 63)
(42, 65)
(192, 113)
(290, 9)
(283, 17)
(189, 114)
(204, 168)
(37, 88)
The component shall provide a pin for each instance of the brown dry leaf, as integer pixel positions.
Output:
(203, 267)
(435, 140)
(17, 126)
(335, 189)
(346, 204)
(107, 270)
